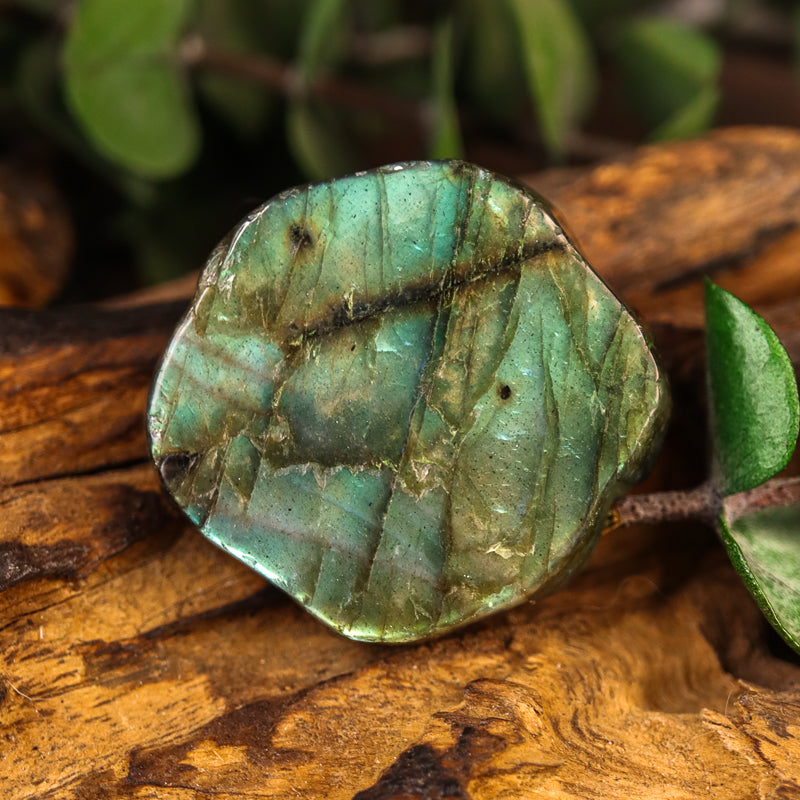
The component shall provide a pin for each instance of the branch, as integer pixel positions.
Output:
(776, 493)
(403, 43)
(700, 503)
(288, 80)
(703, 504)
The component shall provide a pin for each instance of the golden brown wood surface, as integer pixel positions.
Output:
(138, 661)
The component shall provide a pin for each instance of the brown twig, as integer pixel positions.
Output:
(288, 80)
(703, 504)
(402, 43)
(676, 506)
(773, 494)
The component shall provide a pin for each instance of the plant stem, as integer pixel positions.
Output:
(699, 503)
(287, 80)
(403, 43)
(772, 494)
(702, 503)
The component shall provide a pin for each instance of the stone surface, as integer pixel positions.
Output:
(404, 398)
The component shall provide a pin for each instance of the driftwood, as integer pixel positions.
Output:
(137, 661)
(36, 239)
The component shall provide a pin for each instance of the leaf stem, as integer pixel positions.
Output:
(402, 43)
(700, 503)
(773, 494)
(286, 79)
(703, 504)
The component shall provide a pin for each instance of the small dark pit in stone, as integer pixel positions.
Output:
(299, 237)
(175, 465)
(504, 391)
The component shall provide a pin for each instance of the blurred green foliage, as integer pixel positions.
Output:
(683, 64)
(126, 87)
(180, 114)
(556, 54)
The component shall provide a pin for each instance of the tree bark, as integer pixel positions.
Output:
(138, 661)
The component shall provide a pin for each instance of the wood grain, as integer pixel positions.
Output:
(658, 219)
(138, 661)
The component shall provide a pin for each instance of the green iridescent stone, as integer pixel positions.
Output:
(405, 398)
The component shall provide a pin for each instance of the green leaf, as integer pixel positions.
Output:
(125, 85)
(446, 134)
(313, 132)
(322, 38)
(765, 549)
(671, 74)
(559, 67)
(38, 90)
(753, 401)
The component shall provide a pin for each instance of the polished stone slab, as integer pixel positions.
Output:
(405, 398)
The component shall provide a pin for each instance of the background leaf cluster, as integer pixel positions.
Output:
(188, 112)
(127, 83)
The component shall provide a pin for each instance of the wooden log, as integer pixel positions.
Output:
(73, 385)
(36, 238)
(661, 217)
(138, 661)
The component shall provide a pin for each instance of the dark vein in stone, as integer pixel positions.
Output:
(220, 393)
(221, 353)
(421, 291)
(461, 229)
(322, 249)
(507, 338)
(361, 586)
(524, 225)
(321, 549)
(555, 426)
(483, 192)
(574, 325)
(579, 323)
(383, 215)
(465, 394)
(220, 476)
(614, 412)
(429, 368)
(364, 259)
(246, 504)
(289, 275)
(173, 406)
(610, 406)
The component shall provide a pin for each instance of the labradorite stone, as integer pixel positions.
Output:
(404, 398)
